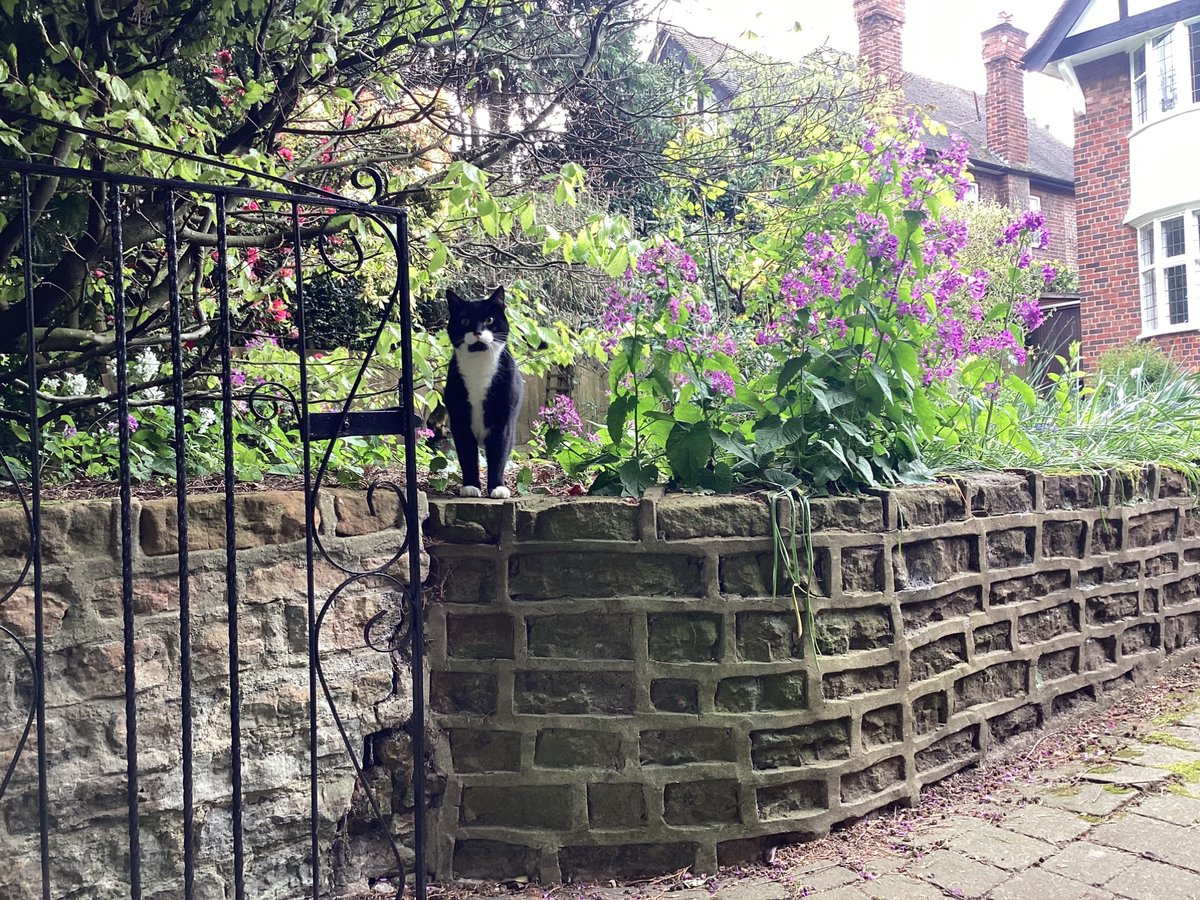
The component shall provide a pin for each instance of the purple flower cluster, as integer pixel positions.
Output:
(561, 414)
(1030, 224)
(721, 383)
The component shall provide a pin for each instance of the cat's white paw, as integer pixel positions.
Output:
(466, 491)
(500, 493)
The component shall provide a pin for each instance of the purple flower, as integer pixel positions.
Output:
(237, 377)
(1049, 273)
(1030, 312)
(69, 431)
(424, 433)
(721, 383)
(132, 423)
(977, 284)
(561, 414)
(1024, 258)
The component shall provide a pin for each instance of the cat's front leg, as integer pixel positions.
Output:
(467, 449)
(498, 447)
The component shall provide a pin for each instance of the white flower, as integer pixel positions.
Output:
(51, 385)
(74, 384)
(111, 366)
(154, 394)
(146, 365)
(208, 418)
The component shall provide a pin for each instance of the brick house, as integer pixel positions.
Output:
(1135, 68)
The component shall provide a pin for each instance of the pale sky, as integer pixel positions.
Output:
(941, 38)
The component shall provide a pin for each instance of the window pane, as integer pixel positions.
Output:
(1194, 43)
(1149, 302)
(1147, 245)
(1177, 303)
(1165, 54)
(1172, 237)
(1140, 102)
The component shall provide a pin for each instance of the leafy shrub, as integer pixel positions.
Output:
(1138, 361)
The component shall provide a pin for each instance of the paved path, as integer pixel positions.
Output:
(1119, 818)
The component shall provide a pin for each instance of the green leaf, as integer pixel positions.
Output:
(770, 439)
(793, 367)
(689, 447)
(1021, 388)
(618, 412)
(636, 479)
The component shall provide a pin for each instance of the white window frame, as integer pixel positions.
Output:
(1035, 203)
(1153, 269)
(1167, 86)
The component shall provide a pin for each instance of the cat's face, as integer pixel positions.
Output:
(477, 324)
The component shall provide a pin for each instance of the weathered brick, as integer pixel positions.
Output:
(1048, 623)
(464, 521)
(463, 692)
(762, 693)
(493, 859)
(573, 693)
(1139, 639)
(918, 615)
(923, 564)
(930, 660)
(755, 575)
(876, 779)
(960, 747)
(862, 570)
(801, 745)
(1018, 721)
(550, 576)
(1108, 574)
(881, 727)
(1181, 632)
(859, 514)
(1070, 491)
(679, 746)
(1185, 590)
(929, 713)
(1057, 664)
(479, 637)
(992, 638)
(485, 750)
(631, 860)
(267, 517)
(1099, 652)
(1029, 587)
(768, 637)
(1106, 535)
(1002, 681)
(570, 748)
(840, 631)
(546, 807)
(783, 801)
(1165, 564)
(1152, 528)
(840, 685)
(465, 580)
(585, 518)
(688, 516)
(616, 805)
(1010, 547)
(998, 493)
(580, 636)
(931, 505)
(685, 637)
(1111, 608)
(675, 695)
(1065, 539)
(711, 802)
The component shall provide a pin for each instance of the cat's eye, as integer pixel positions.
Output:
(464, 321)
(488, 321)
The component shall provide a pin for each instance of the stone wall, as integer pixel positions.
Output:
(618, 693)
(86, 711)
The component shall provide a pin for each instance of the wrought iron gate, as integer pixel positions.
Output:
(183, 243)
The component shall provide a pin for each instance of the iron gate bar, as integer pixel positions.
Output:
(231, 592)
(181, 518)
(127, 612)
(35, 550)
(328, 425)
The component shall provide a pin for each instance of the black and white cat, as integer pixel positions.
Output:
(483, 390)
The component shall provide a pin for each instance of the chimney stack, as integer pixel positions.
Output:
(1007, 127)
(880, 38)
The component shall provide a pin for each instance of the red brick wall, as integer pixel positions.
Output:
(1059, 208)
(1108, 278)
(1007, 127)
(880, 36)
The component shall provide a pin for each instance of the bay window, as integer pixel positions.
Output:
(1165, 73)
(1169, 263)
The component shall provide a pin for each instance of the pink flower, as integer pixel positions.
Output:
(721, 382)
(286, 153)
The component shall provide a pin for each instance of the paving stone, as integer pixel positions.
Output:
(883, 865)
(1047, 886)
(958, 874)
(1146, 880)
(1160, 756)
(1184, 733)
(1054, 825)
(1125, 773)
(1089, 863)
(1000, 847)
(1158, 840)
(939, 834)
(827, 877)
(1089, 799)
(1192, 720)
(898, 887)
(750, 890)
(1173, 808)
(841, 893)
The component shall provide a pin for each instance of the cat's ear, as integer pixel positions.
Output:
(497, 298)
(452, 299)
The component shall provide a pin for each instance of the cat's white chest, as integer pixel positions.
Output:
(477, 371)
